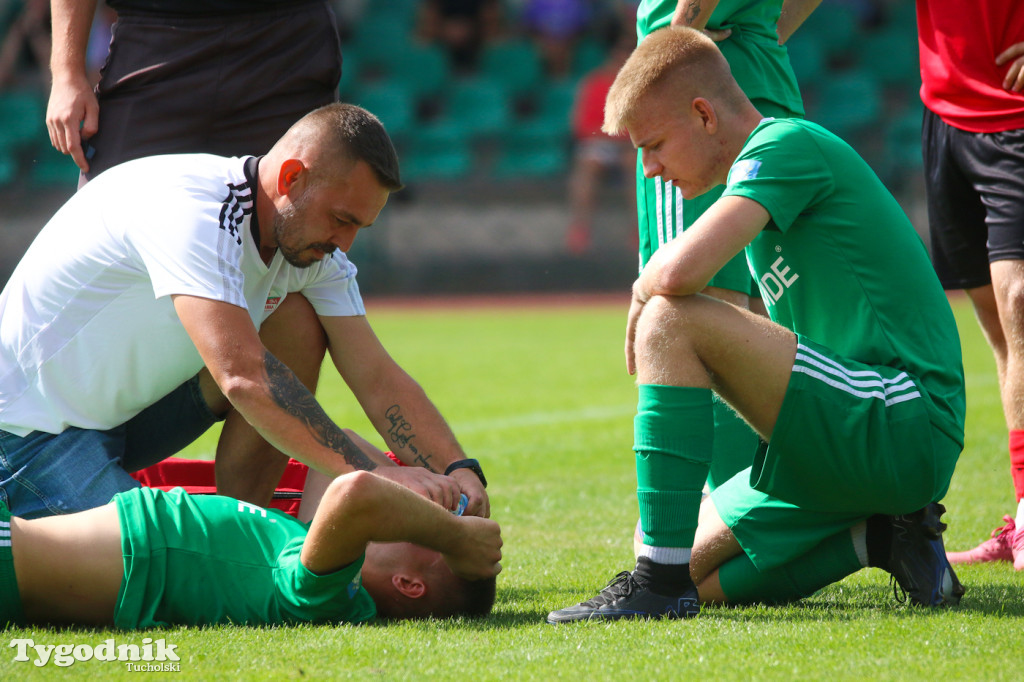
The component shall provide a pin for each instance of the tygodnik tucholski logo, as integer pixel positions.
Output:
(149, 656)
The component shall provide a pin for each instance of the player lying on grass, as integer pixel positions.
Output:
(152, 558)
(855, 384)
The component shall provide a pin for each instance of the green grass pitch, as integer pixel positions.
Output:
(540, 395)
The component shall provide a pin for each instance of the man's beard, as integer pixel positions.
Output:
(287, 222)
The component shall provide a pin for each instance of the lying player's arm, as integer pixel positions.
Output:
(410, 424)
(317, 483)
(686, 264)
(271, 398)
(794, 13)
(360, 508)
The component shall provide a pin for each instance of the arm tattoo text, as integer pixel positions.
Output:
(401, 435)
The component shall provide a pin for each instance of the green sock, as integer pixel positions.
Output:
(673, 440)
(735, 444)
(829, 562)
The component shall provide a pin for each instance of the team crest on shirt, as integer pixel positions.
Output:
(272, 303)
(353, 587)
(743, 170)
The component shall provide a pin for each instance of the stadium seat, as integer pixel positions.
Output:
(903, 141)
(50, 168)
(440, 151)
(479, 106)
(515, 64)
(380, 45)
(849, 103)
(425, 71)
(554, 104)
(532, 151)
(588, 55)
(391, 102)
(835, 26)
(808, 59)
(890, 55)
(22, 119)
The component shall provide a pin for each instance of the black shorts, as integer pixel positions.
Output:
(975, 184)
(223, 85)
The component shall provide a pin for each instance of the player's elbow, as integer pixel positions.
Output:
(358, 494)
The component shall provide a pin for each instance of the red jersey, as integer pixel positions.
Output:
(959, 42)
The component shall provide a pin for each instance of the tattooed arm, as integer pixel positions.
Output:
(695, 14)
(272, 399)
(412, 427)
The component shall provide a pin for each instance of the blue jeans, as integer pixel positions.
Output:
(43, 474)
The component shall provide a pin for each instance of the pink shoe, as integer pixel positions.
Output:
(997, 548)
(1017, 547)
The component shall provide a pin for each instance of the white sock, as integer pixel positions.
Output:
(859, 533)
(1019, 521)
(665, 555)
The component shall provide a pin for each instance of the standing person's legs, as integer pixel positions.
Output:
(975, 186)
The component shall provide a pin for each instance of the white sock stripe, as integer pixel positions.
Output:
(666, 555)
(5, 533)
(5, 543)
(845, 370)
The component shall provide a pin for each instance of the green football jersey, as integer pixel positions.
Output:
(840, 263)
(204, 559)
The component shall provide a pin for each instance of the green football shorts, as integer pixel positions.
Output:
(851, 440)
(11, 612)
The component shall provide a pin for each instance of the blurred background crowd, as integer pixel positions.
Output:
(495, 108)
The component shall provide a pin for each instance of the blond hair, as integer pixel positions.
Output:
(675, 61)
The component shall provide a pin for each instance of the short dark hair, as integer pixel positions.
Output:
(358, 136)
(475, 598)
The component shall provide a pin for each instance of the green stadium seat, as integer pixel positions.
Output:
(835, 26)
(515, 64)
(8, 167)
(554, 103)
(849, 103)
(807, 57)
(380, 44)
(588, 55)
(479, 106)
(532, 151)
(891, 56)
(50, 168)
(903, 141)
(425, 71)
(391, 102)
(22, 119)
(440, 151)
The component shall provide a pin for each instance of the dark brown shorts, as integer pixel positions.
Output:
(222, 85)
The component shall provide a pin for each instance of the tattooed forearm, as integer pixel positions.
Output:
(291, 396)
(692, 11)
(400, 434)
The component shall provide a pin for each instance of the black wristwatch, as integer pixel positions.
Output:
(470, 464)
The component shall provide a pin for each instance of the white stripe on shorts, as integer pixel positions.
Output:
(871, 384)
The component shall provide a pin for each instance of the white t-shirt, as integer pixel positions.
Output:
(88, 333)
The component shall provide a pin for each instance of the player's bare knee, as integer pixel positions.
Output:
(215, 400)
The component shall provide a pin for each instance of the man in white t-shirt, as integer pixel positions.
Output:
(145, 310)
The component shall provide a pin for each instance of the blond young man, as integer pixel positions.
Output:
(857, 394)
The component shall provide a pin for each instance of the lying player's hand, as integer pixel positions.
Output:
(1014, 55)
(444, 490)
(477, 552)
(479, 504)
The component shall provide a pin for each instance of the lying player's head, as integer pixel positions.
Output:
(670, 96)
(409, 581)
(333, 172)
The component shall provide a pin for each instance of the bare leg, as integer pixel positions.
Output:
(248, 467)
